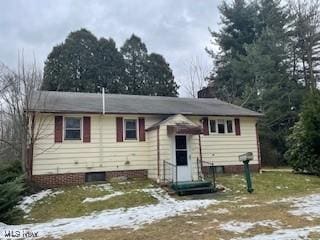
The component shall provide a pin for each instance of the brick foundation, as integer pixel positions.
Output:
(234, 168)
(56, 180)
(69, 179)
(239, 168)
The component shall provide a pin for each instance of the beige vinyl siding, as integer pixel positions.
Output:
(153, 154)
(103, 153)
(224, 149)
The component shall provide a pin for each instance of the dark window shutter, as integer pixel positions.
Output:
(237, 126)
(119, 123)
(86, 129)
(205, 126)
(58, 128)
(142, 134)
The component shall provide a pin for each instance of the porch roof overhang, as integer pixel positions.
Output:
(184, 129)
(178, 124)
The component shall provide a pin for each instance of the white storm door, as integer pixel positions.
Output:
(181, 156)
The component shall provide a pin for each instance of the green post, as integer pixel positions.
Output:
(247, 175)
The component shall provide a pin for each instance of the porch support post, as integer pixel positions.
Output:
(200, 151)
(158, 152)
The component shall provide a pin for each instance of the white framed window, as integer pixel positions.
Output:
(130, 129)
(72, 129)
(221, 126)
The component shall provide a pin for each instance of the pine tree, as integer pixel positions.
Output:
(11, 190)
(110, 66)
(238, 20)
(72, 65)
(160, 80)
(256, 75)
(135, 54)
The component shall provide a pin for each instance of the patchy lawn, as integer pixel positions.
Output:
(79, 201)
(283, 206)
(270, 185)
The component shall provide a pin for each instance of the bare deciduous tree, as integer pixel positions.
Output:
(306, 38)
(19, 131)
(198, 72)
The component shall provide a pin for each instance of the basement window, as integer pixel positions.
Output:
(219, 169)
(72, 128)
(95, 177)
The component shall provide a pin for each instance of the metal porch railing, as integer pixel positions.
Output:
(206, 171)
(170, 172)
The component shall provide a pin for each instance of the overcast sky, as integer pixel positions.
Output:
(177, 29)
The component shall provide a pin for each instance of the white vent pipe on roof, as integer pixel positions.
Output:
(103, 102)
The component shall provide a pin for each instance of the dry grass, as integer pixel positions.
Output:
(205, 223)
(69, 203)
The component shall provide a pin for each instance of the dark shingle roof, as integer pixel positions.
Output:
(51, 101)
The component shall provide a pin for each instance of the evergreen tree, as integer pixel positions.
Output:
(258, 72)
(11, 189)
(110, 66)
(238, 20)
(85, 64)
(72, 65)
(135, 54)
(274, 92)
(160, 80)
(304, 142)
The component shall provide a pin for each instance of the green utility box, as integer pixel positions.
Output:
(245, 159)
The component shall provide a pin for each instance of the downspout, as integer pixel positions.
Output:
(258, 147)
(158, 152)
(101, 154)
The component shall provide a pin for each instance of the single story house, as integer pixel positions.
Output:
(83, 137)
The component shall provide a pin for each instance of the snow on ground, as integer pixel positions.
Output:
(241, 227)
(222, 211)
(285, 234)
(116, 218)
(250, 205)
(103, 186)
(28, 201)
(105, 197)
(308, 206)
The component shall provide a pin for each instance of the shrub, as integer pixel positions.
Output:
(304, 141)
(11, 190)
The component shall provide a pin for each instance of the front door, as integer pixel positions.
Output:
(181, 156)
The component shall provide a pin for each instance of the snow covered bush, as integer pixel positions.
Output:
(304, 142)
